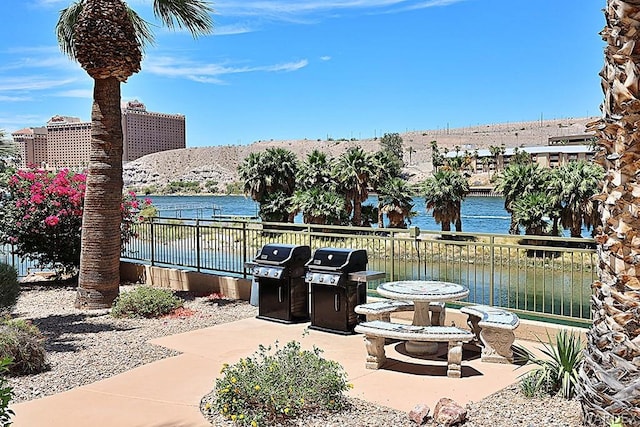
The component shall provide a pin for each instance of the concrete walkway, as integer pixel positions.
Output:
(167, 393)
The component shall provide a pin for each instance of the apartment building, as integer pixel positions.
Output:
(146, 132)
(32, 143)
(68, 142)
(559, 151)
(65, 142)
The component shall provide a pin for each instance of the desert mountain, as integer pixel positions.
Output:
(220, 163)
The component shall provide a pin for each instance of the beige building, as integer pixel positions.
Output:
(146, 132)
(558, 152)
(66, 141)
(33, 146)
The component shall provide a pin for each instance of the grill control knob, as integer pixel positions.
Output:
(333, 279)
(321, 279)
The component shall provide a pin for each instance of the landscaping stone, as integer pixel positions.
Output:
(420, 413)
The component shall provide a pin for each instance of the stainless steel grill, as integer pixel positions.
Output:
(283, 294)
(334, 295)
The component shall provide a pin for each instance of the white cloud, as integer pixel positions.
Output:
(226, 30)
(27, 83)
(288, 10)
(4, 98)
(209, 73)
(76, 93)
(325, 58)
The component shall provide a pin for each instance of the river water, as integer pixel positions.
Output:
(479, 214)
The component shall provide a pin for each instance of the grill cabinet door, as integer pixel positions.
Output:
(329, 307)
(274, 299)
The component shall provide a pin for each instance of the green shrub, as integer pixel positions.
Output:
(270, 387)
(22, 342)
(530, 386)
(557, 374)
(145, 301)
(9, 287)
(6, 392)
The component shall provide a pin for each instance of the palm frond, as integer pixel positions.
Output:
(193, 15)
(65, 28)
(144, 35)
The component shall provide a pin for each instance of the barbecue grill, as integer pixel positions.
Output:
(283, 294)
(334, 295)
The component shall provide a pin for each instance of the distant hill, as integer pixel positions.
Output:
(220, 163)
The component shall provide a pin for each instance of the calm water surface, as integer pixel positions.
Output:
(479, 214)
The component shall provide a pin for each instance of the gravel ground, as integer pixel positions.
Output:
(108, 346)
(84, 347)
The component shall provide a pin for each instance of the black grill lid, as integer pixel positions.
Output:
(346, 260)
(280, 254)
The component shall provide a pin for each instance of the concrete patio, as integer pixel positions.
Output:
(168, 392)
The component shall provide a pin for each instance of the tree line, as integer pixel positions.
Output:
(331, 191)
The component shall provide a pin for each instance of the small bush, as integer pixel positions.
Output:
(9, 287)
(6, 392)
(22, 342)
(145, 301)
(557, 374)
(530, 385)
(271, 387)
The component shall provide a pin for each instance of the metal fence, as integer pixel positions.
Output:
(541, 276)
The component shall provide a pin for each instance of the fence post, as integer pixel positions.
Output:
(198, 245)
(153, 242)
(492, 269)
(393, 257)
(244, 248)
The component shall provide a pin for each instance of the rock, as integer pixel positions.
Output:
(448, 413)
(420, 413)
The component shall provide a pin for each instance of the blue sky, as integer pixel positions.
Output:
(338, 68)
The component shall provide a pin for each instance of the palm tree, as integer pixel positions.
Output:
(270, 179)
(410, 150)
(518, 180)
(281, 168)
(316, 193)
(320, 206)
(107, 38)
(353, 172)
(576, 183)
(314, 171)
(530, 211)
(396, 201)
(610, 374)
(444, 193)
(252, 172)
(384, 167)
(437, 158)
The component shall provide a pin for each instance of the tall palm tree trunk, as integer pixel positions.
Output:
(99, 279)
(610, 375)
(357, 212)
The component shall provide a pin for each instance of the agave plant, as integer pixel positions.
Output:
(557, 372)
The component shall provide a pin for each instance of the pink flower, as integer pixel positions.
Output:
(37, 198)
(52, 220)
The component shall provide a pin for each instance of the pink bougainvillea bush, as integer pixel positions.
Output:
(41, 216)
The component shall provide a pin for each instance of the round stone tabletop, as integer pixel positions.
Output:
(423, 290)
